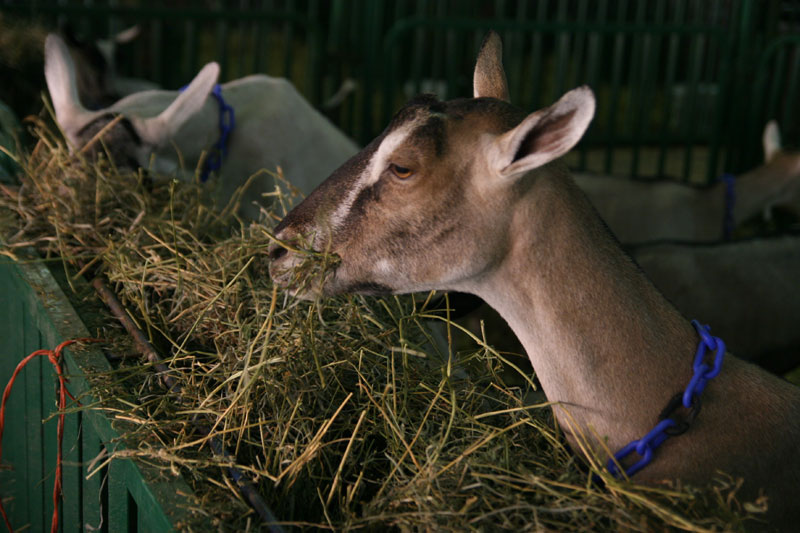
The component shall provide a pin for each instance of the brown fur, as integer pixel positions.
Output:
(487, 216)
(490, 61)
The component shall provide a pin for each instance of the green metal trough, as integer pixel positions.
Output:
(123, 496)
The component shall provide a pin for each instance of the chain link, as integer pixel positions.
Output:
(227, 121)
(669, 425)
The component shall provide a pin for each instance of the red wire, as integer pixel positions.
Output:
(54, 356)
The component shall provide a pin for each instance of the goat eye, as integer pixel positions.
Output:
(401, 172)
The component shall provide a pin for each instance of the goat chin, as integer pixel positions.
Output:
(309, 289)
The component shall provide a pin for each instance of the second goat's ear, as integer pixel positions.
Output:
(489, 79)
(158, 130)
(771, 139)
(59, 72)
(545, 135)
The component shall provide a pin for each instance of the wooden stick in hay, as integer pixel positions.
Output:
(143, 345)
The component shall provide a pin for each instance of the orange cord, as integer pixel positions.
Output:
(55, 358)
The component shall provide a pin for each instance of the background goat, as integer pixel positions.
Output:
(275, 127)
(640, 211)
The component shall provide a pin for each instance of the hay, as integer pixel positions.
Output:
(343, 412)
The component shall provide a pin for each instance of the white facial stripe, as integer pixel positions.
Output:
(373, 171)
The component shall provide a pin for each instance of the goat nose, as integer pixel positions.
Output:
(275, 251)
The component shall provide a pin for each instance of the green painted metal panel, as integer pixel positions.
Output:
(15, 449)
(120, 513)
(71, 481)
(92, 488)
(32, 376)
(35, 314)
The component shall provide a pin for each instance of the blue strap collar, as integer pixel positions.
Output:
(690, 399)
(728, 224)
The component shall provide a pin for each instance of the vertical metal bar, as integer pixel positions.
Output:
(419, 52)
(15, 446)
(373, 32)
(315, 51)
(190, 63)
(437, 50)
(536, 60)
(792, 88)
(221, 42)
(114, 24)
(388, 67)
(636, 84)
(33, 419)
(616, 79)
(653, 87)
(579, 46)
(91, 494)
(515, 56)
(71, 486)
(243, 45)
(759, 90)
(288, 42)
(49, 428)
(356, 30)
(119, 510)
(398, 9)
(593, 62)
(259, 44)
(669, 86)
(333, 47)
(156, 42)
(696, 50)
(776, 83)
(562, 54)
(738, 147)
(452, 50)
(719, 67)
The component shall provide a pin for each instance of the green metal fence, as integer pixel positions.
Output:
(675, 78)
(120, 497)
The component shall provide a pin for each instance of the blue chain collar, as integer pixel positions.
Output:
(730, 202)
(227, 121)
(690, 399)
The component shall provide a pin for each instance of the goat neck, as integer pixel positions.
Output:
(604, 343)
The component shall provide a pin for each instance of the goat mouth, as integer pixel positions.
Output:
(290, 275)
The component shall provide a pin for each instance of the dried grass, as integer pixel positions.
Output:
(343, 411)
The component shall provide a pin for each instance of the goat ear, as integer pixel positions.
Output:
(490, 78)
(546, 134)
(127, 35)
(771, 140)
(108, 47)
(160, 129)
(59, 73)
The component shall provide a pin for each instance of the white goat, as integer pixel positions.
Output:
(642, 211)
(275, 127)
(749, 290)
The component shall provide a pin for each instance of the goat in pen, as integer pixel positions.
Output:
(274, 127)
(468, 195)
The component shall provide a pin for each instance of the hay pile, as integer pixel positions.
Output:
(342, 411)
